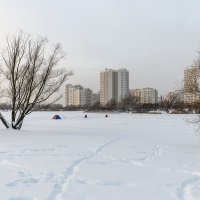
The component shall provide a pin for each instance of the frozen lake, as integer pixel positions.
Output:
(122, 157)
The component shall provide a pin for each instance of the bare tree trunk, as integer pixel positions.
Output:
(4, 121)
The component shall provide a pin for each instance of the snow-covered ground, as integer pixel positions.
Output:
(122, 157)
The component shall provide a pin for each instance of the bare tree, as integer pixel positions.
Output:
(135, 103)
(111, 105)
(169, 101)
(124, 104)
(129, 103)
(32, 76)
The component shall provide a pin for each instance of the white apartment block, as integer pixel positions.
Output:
(191, 84)
(71, 94)
(103, 88)
(86, 97)
(149, 96)
(76, 95)
(108, 86)
(114, 84)
(123, 84)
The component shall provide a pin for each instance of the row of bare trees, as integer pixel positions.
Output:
(30, 74)
(133, 104)
(170, 103)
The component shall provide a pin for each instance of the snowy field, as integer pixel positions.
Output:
(122, 157)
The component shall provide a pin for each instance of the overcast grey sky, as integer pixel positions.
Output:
(154, 39)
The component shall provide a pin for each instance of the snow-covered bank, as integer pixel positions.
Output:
(122, 157)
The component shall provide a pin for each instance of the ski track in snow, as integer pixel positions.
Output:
(26, 175)
(140, 162)
(157, 150)
(184, 192)
(61, 187)
(29, 175)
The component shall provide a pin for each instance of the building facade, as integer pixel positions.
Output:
(191, 84)
(76, 95)
(114, 85)
(149, 96)
(123, 84)
(71, 94)
(108, 86)
(86, 97)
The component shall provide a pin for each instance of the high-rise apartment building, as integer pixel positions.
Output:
(76, 95)
(191, 84)
(86, 97)
(114, 85)
(123, 84)
(149, 96)
(108, 85)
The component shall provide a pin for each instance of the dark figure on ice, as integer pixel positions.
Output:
(85, 116)
(106, 115)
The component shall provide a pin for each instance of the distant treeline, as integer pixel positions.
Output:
(127, 105)
(177, 108)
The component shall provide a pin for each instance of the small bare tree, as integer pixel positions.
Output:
(112, 104)
(32, 76)
(168, 102)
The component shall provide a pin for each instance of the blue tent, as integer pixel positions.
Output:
(56, 117)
